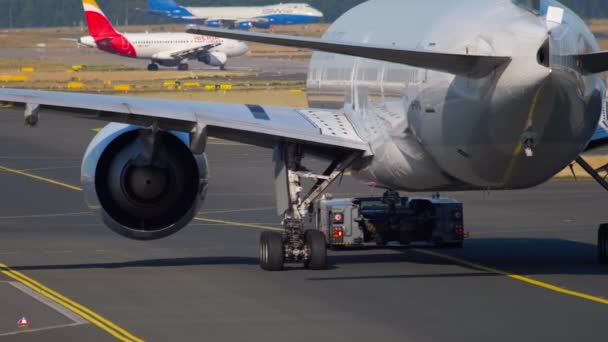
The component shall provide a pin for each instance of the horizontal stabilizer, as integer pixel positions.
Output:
(593, 63)
(464, 65)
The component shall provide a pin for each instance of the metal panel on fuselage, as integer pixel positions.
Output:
(473, 130)
(147, 45)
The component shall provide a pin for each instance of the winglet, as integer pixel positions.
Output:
(464, 65)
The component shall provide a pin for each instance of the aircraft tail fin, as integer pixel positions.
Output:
(593, 63)
(474, 66)
(168, 8)
(162, 5)
(99, 25)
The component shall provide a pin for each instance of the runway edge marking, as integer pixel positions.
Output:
(456, 260)
(75, 307)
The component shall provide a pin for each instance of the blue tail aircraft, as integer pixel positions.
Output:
(238, 17)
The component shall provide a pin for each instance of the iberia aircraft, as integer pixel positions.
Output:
(167, 49)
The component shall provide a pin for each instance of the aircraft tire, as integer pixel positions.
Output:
(317, 246)
(271, 251)
(602, 244)
(152, 67)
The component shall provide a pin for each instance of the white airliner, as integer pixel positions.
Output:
(243, 17)
(435, 96)
(166, 49)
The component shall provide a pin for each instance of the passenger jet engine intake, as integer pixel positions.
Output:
(147, 184)
(215, 59)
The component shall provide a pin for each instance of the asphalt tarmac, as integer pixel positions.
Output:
(528, 272)
(269, 68)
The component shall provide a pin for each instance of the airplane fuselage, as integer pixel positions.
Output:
(514, 128)
(281, 14)
(160, 46)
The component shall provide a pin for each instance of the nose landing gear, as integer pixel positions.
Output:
(602, 244)
(602, 234)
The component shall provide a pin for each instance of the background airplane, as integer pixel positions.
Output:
(238, 17)
(171, 49)
(503, 102)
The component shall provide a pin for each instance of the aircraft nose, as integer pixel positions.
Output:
(242, 47)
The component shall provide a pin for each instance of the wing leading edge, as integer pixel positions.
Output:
(465, 65)
(250, 124)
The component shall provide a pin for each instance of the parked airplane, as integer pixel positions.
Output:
(436, 96)
(238, 17)
(167, 49)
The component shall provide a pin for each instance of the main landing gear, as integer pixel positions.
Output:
(152, 67)
(602, 234)
(294, 244)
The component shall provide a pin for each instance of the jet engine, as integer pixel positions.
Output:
(216, 59)
(213, 23)
(262, 24)
(244, 25)
(148, 185)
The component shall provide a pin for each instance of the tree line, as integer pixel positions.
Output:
(49, 13)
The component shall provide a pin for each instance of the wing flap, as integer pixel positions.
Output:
(465, 65)
(251, 124)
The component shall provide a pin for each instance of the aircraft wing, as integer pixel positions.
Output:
(194, 52)
(458, 64)
(250, 124)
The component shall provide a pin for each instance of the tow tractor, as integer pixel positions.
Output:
(353, 222)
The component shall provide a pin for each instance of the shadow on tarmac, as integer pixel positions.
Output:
(520, 256)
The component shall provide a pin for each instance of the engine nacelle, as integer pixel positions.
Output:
(147, 185)
(214, 58)
(213, 23)
(262, 24)
(244, 25)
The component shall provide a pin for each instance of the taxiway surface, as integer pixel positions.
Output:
(204, 283)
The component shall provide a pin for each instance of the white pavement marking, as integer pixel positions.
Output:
(76, 319)
(28, 330)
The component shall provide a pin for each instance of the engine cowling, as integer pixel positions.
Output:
(213, 23)
(244, 25)
(147, 185)
(262, 24)
(214, 58)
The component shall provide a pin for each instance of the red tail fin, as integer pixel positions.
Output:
(99, 25)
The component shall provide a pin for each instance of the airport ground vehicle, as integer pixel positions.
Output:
(351, 222)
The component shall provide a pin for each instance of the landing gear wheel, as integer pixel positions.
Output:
(602, 244)
(152, 67)
(271, 251)
(223, 67)
(183, 67)
(317, 247)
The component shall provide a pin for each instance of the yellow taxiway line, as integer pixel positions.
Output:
(96, 319)
(455, 260)
(71, 305)
(43, 179)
